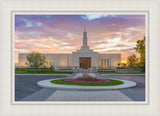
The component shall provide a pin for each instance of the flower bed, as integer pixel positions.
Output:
(88, 81)
(65, 82)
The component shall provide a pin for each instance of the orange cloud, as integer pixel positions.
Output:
(59, 34)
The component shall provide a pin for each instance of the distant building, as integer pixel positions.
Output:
(85, 58)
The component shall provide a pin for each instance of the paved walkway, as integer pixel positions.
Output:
(62, 95)
(88, 96)
(35, 93)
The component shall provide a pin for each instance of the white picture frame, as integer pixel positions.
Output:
(13, 13)
(7, 58)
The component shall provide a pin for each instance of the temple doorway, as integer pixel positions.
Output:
(85, 62)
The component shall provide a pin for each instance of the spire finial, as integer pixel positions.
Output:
(84, 28)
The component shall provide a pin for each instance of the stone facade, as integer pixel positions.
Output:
(109, 61)
(56, 60)
(70, 61)
(77, 55)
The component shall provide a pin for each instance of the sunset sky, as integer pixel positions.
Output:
(63, 33)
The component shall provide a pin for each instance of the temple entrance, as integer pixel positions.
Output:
(85, 62)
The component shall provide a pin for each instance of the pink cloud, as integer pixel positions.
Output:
(64, 35)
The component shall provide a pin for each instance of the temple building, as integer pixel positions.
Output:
(85, 58)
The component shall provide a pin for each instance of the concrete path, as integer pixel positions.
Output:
(48, 84)
(61, 95)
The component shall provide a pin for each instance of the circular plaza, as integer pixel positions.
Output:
(61, 84)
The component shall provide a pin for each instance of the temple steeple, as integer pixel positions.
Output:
(85, 38)
(84, 47)
(84, 28)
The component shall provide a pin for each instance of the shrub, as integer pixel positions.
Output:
(88, 78)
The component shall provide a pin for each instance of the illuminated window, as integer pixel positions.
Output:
(101, 62)
(47, 62)
(53, 62)
(50, 62)
(107, 62)
(104, 62)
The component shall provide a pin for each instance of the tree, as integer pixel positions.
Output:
(123, 65)
(35, 60)
(140, 48)
(119, 64)
(132, 61)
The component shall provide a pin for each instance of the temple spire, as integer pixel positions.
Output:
(85, 37)
(84, 28)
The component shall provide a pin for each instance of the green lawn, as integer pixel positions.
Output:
(112, 83)
(39, 72)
